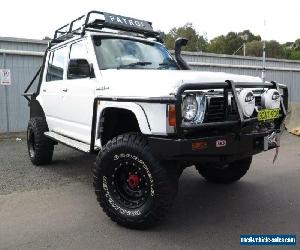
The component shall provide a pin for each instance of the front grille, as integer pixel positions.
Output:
(258, 101)
(215, 111)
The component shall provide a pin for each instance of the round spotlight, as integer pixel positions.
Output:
(247, 101)
(270, 99)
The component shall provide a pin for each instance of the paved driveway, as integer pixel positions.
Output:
(55, 207)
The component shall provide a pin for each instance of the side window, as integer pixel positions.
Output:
(79, 66)
(56, 64)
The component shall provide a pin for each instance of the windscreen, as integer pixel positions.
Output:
(121, 53)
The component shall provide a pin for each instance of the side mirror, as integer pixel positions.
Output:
(181, 41)
(80, 68)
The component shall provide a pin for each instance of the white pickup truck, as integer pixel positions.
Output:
(111, 87)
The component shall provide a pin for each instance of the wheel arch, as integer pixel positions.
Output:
(130, 116)
(36, 109)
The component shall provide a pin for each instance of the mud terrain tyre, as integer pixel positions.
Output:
(133, 188)
(40, 148)
(228, 173)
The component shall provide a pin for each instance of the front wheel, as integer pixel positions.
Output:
(133, 188)
(227, 173)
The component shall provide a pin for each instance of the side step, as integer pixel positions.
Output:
(81, 146)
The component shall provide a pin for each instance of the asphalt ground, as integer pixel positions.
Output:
(55, 207)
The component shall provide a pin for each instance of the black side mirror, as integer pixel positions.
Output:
(181, 41)
(80, 68)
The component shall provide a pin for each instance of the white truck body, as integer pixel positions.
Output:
(68, 104)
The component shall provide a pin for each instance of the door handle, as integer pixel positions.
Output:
(65, 90)
(44, 90)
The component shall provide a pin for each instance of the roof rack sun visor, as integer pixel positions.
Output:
(127, 22)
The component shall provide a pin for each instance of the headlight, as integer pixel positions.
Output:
(271, 99)
(189, 108)
(247, 101)
(193, 108)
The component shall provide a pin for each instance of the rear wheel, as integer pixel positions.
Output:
(226, 173)
(133, 188)
(40, 148)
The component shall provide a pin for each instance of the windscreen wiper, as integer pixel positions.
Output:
(166, 65)
(124, 66)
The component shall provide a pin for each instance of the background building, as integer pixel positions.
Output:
(24, 57)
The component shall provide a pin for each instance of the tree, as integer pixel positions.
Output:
(294, 50)
(294, 55)
(275, 50)
(296, 45)
(196, 42)
(254, 48)
(250, 36)
(232, 42)
(225, 44)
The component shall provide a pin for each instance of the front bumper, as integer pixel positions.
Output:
(224, 148)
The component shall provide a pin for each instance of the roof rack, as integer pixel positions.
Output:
(97, 20)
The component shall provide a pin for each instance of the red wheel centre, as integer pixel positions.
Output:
(133, 180)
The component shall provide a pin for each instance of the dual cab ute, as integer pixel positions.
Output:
(109, 86)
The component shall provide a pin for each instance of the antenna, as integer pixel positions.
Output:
(263, 73)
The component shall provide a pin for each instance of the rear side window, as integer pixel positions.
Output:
(55, 71)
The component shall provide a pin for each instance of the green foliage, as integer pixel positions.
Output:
(295, 55)
(296, 45)
(232, 43)
(228, 44)
(274, 49)
(254, 48)
(249, 36)
(196, 42)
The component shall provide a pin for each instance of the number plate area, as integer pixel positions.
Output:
(267, 114)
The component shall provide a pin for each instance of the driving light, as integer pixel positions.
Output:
(247, 101)
(271, 99)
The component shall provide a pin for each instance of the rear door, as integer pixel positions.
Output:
(77, 102)
(52, 87)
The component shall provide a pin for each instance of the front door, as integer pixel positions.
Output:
(79, 93)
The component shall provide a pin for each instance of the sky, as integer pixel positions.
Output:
(36, 19)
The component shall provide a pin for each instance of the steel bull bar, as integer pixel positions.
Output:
(227, 86)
